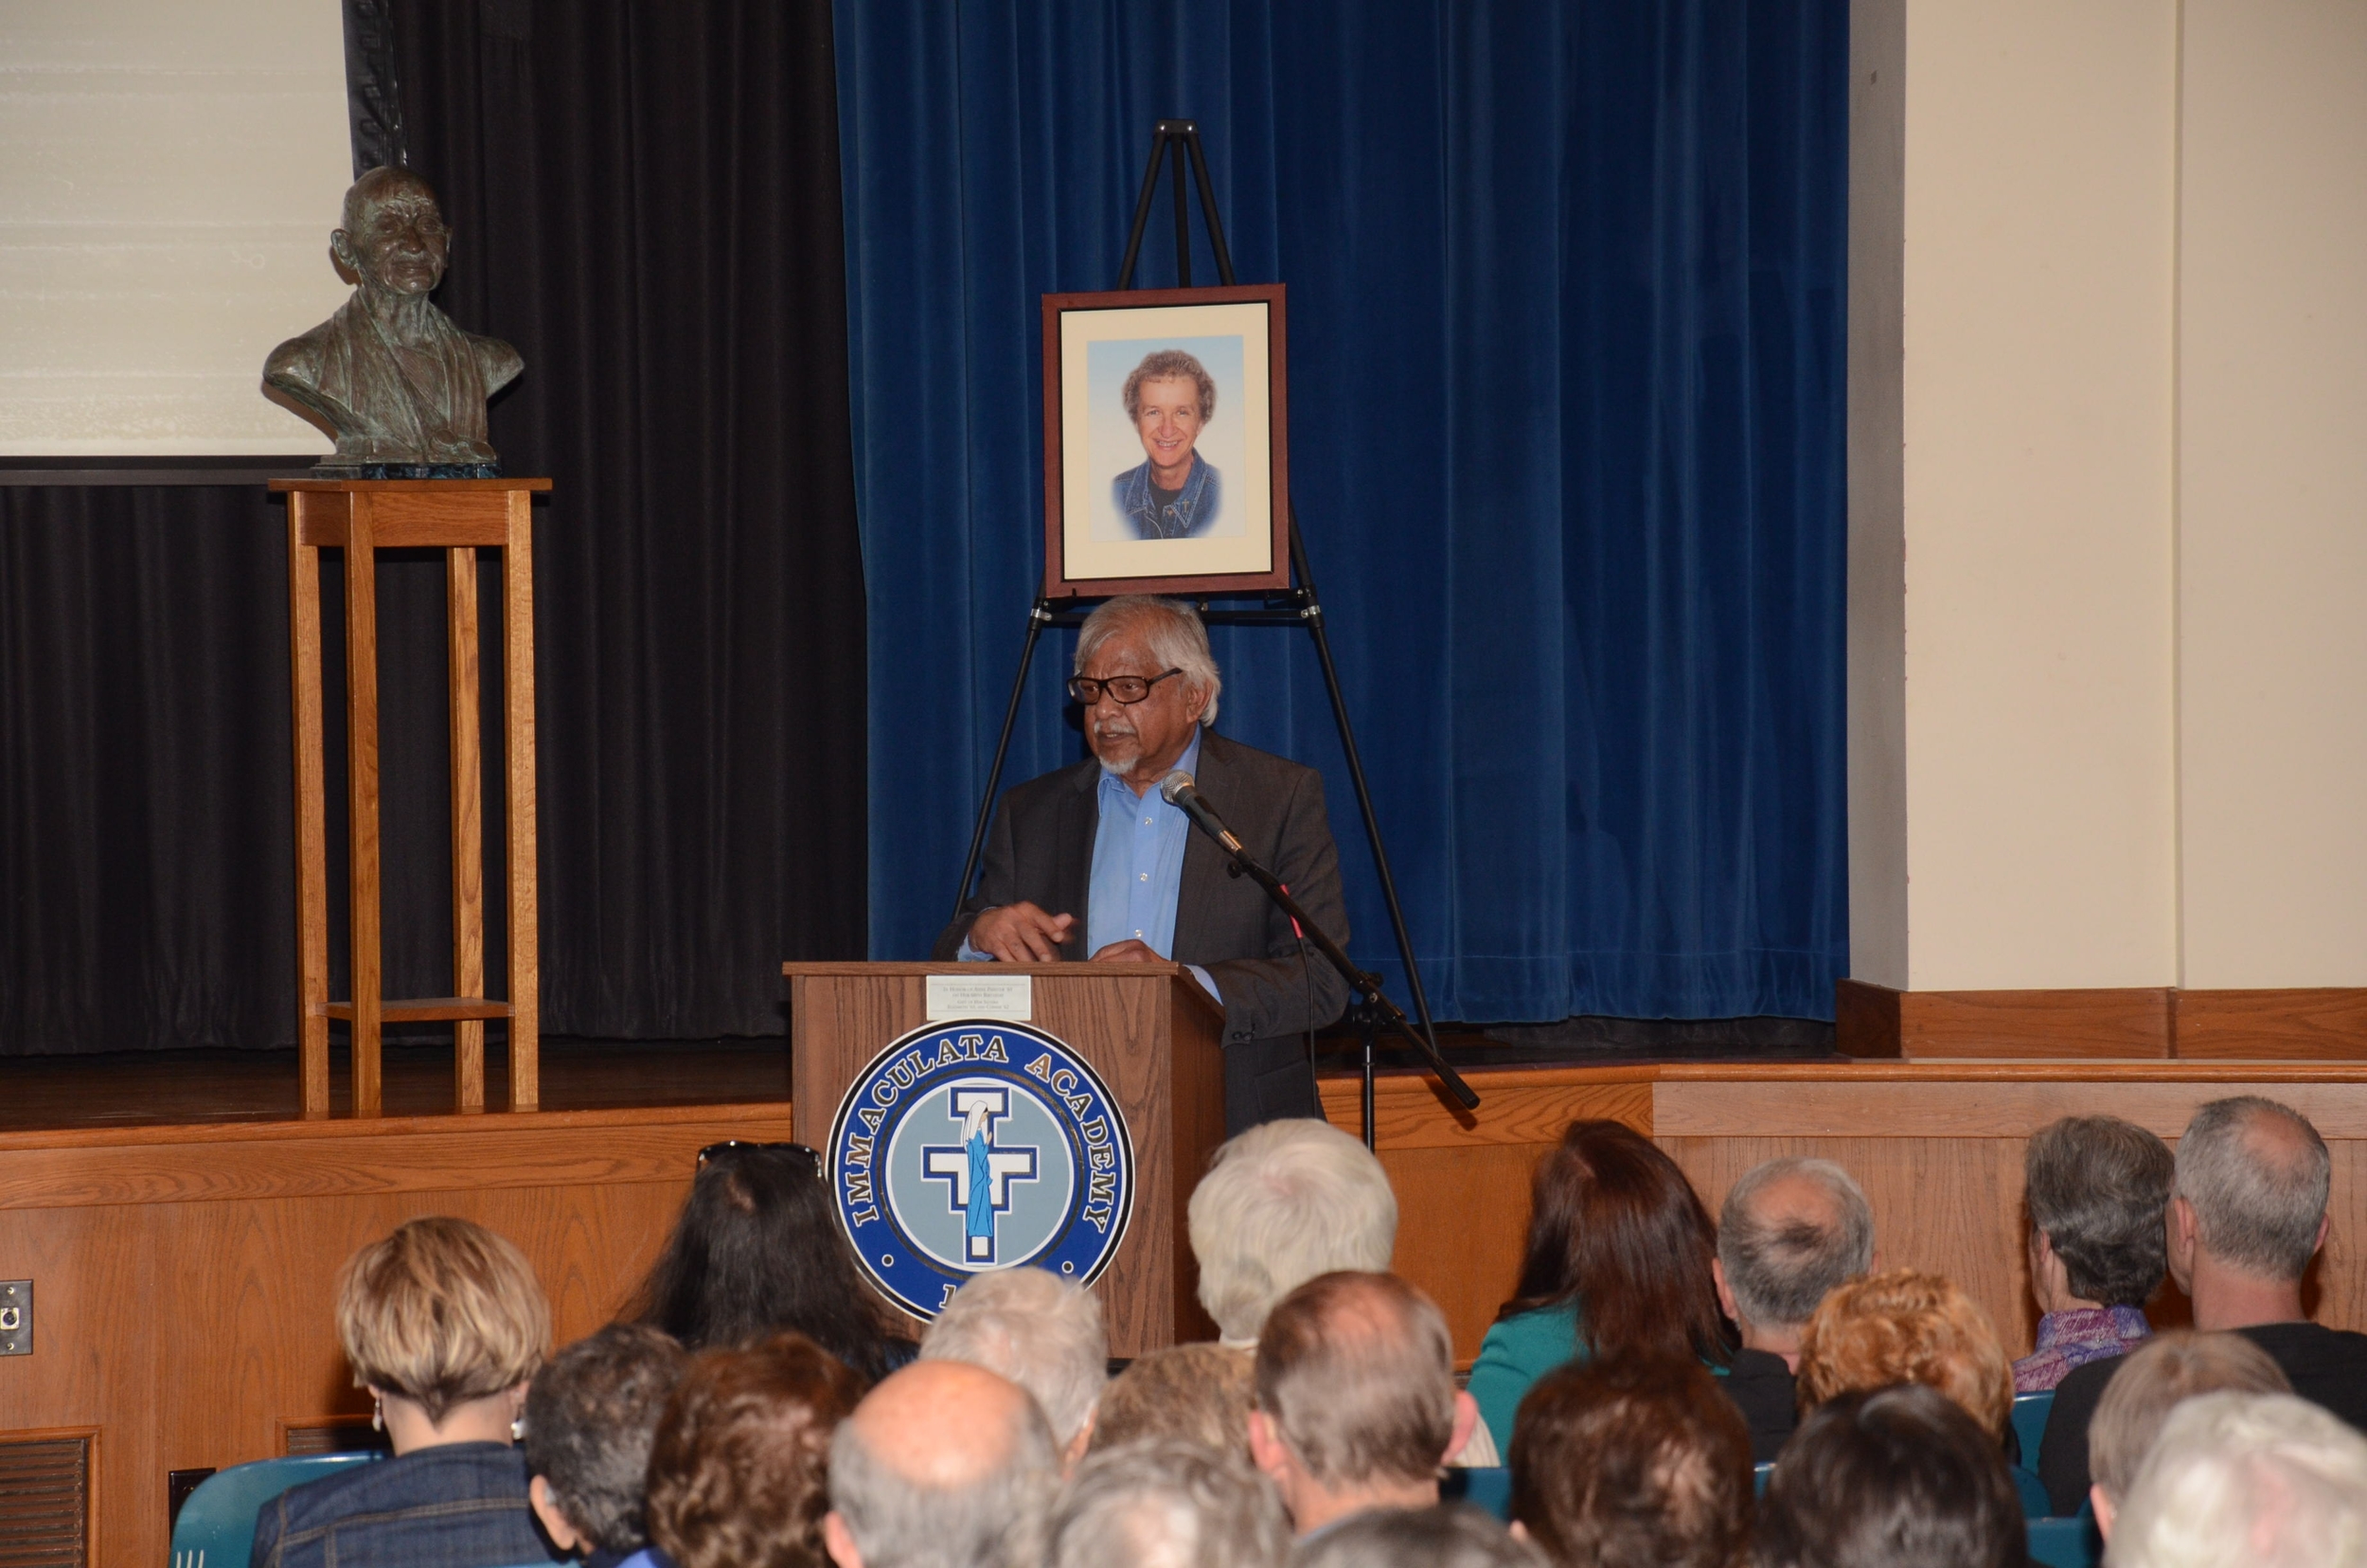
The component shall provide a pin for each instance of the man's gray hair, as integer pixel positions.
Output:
(1169, 628)
(1779, 1269)
(2258, 1208)
(2266, 1480)
(1281, 1204)
(2096, 1188)
(2158, 1375)
(992, 1523)
(1456, 1536)
(1042, 1331)
(1166, 1503)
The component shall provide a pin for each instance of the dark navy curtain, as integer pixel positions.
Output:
(1566, 447)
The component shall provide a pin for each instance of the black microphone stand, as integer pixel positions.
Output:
(1374, 1011)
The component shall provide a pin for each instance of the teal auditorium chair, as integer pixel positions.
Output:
(216, 1524)
(2030, 1414)
(2067, 1542)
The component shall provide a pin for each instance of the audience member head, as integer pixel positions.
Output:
(1167, 1503)
(2248, 1211)
(1197, 1393)
(444, 1323)
(738, 1471)
(591, 1416)
(1901, 1326)
(1790, 1230)
(2096, 1188)
(2262, 1480)
(944, 1464)
(1042, 1332)
(2169, 1368)
(1458, 1536)
(1898, 1475)
(756, 1250)
(1356, 1405)
(1281, 1204)
(1616, 1228)
(1631, 1461)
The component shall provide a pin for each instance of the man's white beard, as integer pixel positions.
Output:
(1128, 749)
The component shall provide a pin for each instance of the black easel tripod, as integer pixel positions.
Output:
(1178, 140)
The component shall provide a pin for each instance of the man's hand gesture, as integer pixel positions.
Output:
(1021, 934)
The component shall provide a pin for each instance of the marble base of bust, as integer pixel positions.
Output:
(331, 468)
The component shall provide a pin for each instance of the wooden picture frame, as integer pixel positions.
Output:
(1109, 528)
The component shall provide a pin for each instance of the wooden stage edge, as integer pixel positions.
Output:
(183, 1272)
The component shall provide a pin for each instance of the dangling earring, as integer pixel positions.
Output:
(378, 1416)
(517, 1429)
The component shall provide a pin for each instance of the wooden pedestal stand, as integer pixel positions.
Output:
(459, 516)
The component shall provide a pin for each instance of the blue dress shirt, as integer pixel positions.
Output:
(1137, 869)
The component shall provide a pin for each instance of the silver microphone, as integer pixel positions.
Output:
(1179, 790)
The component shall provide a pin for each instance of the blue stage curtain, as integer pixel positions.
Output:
(1566, 445)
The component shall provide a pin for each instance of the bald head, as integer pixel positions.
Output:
(944, 1464)
(943, 1423)
(1790, 1230)
(393, 236)
(1356, 1371)
(2256, 1175)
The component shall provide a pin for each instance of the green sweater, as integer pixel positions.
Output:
(1515, 1354)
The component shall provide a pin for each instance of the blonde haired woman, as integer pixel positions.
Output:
(445, 1325)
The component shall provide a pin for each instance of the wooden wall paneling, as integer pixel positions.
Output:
(2325, 1023)
(1462, 1215)
(1526, 1107)
(337, 1158)
(1922, 1104)
(2126, 1023)
(99, 1301)
(2336, 1290)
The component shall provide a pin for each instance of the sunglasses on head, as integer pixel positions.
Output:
(715, 1151)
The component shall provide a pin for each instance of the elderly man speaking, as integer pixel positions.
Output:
(1089, 862)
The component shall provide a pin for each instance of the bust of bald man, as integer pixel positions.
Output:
(943, 1463)
(389, 378)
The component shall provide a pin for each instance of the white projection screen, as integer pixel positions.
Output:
(170, 173)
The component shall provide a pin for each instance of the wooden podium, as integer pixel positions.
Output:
(458, 516)
(1147, 1030)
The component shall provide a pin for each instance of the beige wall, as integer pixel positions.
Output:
(2109, 508)
(168, 175)
(2273, 492)
(2037, 807)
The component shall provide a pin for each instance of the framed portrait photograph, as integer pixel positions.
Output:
(1165, 467)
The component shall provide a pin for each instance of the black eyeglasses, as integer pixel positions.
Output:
(1127, 689)
(728, 1145)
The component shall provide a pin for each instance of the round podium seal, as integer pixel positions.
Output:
(978, 1145)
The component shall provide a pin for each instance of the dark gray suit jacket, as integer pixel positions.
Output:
(1041, 850)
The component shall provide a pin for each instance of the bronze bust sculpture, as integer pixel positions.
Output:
(389, 378)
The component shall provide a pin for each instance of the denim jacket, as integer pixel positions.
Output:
(1194, 509)
(454, 1505)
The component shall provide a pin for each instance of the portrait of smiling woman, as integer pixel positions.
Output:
(1174, 492)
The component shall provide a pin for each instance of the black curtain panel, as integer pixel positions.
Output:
(645, 201)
